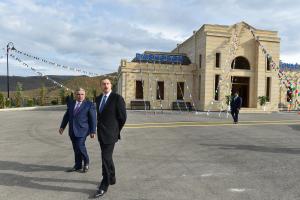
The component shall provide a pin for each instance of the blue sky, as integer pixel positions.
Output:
(96, 34)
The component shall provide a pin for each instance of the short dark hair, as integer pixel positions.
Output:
(106, 78)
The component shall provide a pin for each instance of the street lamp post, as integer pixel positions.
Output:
(9, 46)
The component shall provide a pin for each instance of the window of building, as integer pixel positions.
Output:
(199, 95)
(160, 90)
(216, 91)
(218, 59)
(180, 90)
(200, 61)
(139, 90)
(268, 88)
(268, 62)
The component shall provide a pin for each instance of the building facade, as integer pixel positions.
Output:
(214, 61)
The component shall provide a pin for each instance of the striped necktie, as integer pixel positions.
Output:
(103, 103)
(77, 107)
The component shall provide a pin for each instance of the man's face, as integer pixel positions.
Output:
(106, 86)
(236, 94)
(80, 95)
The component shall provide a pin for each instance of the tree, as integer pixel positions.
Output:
(2, 101)
(19, 95)
(43, 92)
(62, 95)
(94, 94)
(89, 94)
(114, 84)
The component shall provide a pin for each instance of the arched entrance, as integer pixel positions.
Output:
(240, 62)
(241, 83)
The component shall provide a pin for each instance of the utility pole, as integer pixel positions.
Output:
(9, 46)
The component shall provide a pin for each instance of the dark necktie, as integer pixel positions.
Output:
(102, 104)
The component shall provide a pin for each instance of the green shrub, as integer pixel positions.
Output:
(54, 102)
(30, 102)
(263, 100)
(7, 103)
(2, 101)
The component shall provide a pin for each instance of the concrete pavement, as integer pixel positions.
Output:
(163, 156)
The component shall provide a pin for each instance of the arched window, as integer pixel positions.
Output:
(240, 62)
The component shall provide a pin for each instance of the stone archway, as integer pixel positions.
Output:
(240, 62)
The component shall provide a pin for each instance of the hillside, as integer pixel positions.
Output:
(30, 82)
(35, 83)
(88, 83)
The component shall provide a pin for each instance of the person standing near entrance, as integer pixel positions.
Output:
(111, 117)
(81, 116)
(235, 105)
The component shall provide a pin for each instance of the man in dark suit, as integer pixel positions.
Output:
(81, 116)
(111, 117)
(235, 105)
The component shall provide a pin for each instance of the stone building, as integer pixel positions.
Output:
(201, 71)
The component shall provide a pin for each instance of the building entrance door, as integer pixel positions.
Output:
(241, 84)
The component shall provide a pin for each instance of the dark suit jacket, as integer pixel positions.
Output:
(112, 119)
(83, 122)
(236, 104)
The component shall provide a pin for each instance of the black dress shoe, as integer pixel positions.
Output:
(85, 168)
(99, 193)
(73, 169)
(112, 181)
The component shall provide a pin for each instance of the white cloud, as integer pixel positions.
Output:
(96, 34)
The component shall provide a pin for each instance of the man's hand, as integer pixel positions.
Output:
(61, 130)
(93, 135)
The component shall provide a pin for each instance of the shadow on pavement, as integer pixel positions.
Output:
(12, 165)
(295, 127)
(255, 148)
(7, 179)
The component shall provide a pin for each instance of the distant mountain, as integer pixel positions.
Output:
(87, 83)
(30, 82)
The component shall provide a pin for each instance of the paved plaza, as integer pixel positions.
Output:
(170, 156)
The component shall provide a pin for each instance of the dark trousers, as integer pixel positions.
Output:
(80, 151)
(235, 115)
(108, 167)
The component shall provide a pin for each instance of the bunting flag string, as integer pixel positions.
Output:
(158, 89)
(141, 73)
(224, 82)
(151, 90)
(226, 72)
(282, 75)
(56, 64)
(286, 77)
(39, 73)
(4, 53)
(189, 91)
